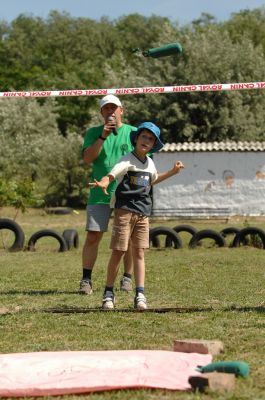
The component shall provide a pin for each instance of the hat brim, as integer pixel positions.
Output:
(158, 145)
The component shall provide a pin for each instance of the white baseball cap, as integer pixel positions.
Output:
(110, 98)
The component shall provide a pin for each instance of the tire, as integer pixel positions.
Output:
(169, 233)
(185, 228)
(181, 228)
(231, 230)
(59, 211)
(207, 234)
(241, 236)
(153, 240)
(6, 223)
(71, 237)
(47, 232)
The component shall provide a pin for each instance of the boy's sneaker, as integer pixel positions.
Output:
(126, 284)
(85, 286)
(140, 302)
(108, 300)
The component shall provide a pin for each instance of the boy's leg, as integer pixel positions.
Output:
(119, 245)
(113, 267)
(119, 242)
(139, 273)
(139, 266)
(108, 300)
(126, 284)
(140, 241)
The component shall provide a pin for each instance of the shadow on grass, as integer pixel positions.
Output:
(158, 310)
(36, 292)
(259, 309)
(73, 310)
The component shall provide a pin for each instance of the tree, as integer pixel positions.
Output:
(18, 194)
(248, 24)
(32, 148)
(206, 59)
(91, 54)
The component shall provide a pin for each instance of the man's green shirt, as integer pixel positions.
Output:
(113, 148)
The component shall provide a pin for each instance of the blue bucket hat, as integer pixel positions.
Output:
(154, 130)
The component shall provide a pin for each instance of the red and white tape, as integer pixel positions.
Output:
(213, 87)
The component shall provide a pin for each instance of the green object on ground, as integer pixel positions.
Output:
(163, 51)
(239, 368)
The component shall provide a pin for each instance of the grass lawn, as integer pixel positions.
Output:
(218, 293)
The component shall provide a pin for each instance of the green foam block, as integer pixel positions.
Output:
(163, 51)
(239, 368)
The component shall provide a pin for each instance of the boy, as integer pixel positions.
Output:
(136, 173)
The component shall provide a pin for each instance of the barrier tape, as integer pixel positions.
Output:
(143, 90)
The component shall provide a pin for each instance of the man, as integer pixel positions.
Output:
(103, 146)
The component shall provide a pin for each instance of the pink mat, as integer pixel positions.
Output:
(56, 373)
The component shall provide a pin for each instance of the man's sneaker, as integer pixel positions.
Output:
(126, 284)
(85, 286)
(140, 302)
(108, 300)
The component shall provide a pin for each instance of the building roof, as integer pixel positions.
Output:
(214, 146)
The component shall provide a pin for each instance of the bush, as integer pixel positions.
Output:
(19, 195)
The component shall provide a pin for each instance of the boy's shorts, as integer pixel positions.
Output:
(128, 226)
(98, 216)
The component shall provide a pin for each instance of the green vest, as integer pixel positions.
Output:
(113, 148)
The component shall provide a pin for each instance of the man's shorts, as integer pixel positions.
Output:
(128, 226)
(98, 216)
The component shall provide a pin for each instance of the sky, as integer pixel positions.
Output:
(179, 11)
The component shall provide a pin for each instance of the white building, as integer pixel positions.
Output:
(219, 179)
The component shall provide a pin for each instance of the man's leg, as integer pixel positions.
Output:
(89, 256)
(97, 224)
(90, 249)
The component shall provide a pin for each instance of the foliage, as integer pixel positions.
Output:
(90, 54)
(248, 23)
(66, 177)
(19, 195)
(31, 147)
(41, 138)
(28, 135)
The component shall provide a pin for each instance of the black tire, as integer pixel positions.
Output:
(181, 228)
(229, 231)
(207, 234)
(71, 237)
(169, 233)
(154, 240)
(47, 232)
(185, 228)
(59, 210)
(6, 223)
(240, 237)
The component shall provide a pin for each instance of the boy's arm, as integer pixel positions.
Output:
(119, 169)
(103, 183)
(165, 175)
